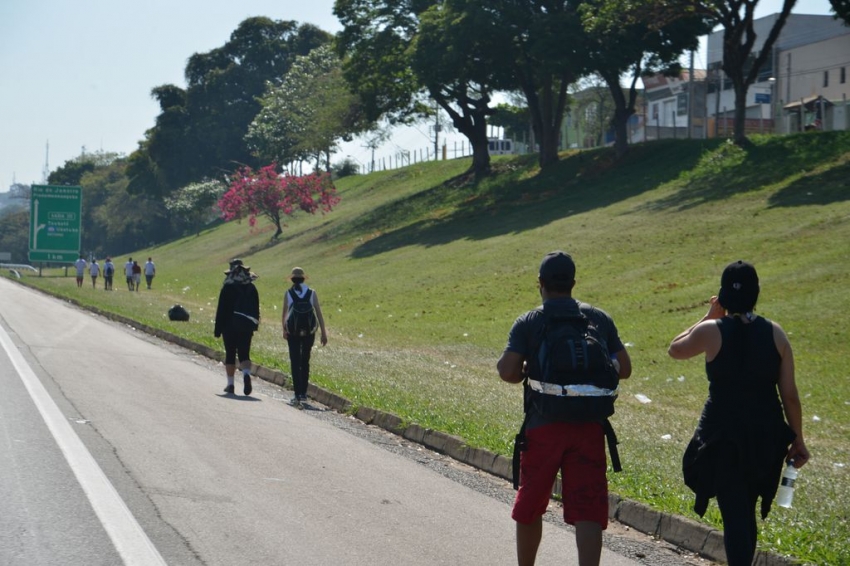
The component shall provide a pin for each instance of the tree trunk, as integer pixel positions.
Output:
(621, 132)
(471, 121)
(740, 114)
(480, 155)
(547, 105)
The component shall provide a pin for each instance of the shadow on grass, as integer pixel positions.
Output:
(515, 200)
(729, 170)
(827, 187)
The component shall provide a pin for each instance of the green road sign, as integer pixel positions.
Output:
(55, 223)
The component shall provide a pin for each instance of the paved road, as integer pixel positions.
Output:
(117, 448)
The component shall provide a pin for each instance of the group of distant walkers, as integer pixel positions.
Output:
(132, 270)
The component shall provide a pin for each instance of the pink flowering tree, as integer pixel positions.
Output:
(274, 195)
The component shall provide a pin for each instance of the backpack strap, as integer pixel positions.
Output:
(520, 445)
(612, 445)
(296, 299)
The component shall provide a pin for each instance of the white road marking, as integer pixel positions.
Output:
(130, 540)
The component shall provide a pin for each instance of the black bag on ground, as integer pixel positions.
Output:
(177, 312)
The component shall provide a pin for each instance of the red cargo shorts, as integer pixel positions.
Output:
(578, 450)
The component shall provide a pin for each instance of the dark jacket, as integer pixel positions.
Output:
(238, 307)
(742, 433)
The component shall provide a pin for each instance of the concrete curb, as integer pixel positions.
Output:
(680, 531)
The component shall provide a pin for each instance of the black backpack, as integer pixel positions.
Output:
(570, 360)
(109, 270)
(177, 312)
(301, 320)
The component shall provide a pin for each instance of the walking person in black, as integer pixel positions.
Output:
(742, 441)
(302, 314)
(237, 317)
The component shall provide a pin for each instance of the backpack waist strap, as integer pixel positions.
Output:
(575, 390)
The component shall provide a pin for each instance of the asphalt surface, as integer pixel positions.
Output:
(216, 479)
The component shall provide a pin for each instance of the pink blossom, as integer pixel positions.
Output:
(267, 193)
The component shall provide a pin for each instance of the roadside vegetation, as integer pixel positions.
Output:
(421, 272)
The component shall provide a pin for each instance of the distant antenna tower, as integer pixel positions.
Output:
(46, 172)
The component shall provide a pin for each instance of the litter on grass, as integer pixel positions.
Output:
(643, 398)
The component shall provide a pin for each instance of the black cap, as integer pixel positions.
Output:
(557, 267)
(739, 287)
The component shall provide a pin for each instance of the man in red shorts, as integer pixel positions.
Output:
(574, 447)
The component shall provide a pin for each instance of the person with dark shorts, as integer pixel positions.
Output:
(237, 317)
(576, 449)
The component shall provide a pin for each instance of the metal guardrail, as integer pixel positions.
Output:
(16, 268)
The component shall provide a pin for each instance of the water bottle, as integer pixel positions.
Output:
(786, 486)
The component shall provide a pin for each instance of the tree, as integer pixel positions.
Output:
(742, 60)
(195, 204)
(628, 39)
(308, 113)
(267, 193)
(395, 51)
(14, 234)
(453, 56)
(201, 129)
(841, 9)
(71, 173)
(543, 46)
(114, 220)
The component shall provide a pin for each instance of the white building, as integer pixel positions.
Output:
(809, 60)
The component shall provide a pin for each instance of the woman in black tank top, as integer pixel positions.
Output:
(752, 420)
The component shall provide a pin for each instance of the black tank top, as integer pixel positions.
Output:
(743, 377)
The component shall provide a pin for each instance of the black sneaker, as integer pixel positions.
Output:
(246, 379)
(229, 389)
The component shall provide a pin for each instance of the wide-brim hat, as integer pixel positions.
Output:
(235, 263)
(297, 273)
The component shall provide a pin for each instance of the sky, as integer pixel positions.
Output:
(77, 75)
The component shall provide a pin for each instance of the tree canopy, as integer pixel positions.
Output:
(396, 51)
(742, 59)
(200, 130)
(306, 115)
(841, 9)
(629, 40)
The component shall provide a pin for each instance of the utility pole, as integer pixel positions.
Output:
(437, 135)
(46, 172)
(691, 96)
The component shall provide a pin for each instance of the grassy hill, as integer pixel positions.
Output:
(421, 274)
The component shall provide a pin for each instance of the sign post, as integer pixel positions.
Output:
(55, 223)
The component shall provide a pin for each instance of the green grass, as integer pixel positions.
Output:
(421, 274)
